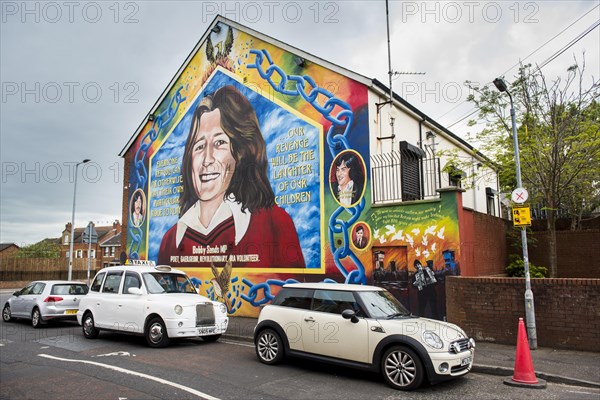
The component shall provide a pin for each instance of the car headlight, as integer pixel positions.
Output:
(223, 308)
(178, 309)
(432, 340)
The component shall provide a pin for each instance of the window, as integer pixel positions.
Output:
(67, 253)
(66, 240)
(69, 289)
(334, 301)
(131, 280)
(112, 282)
(410, 171)
(455, 176)
(93, 254)
(38, 288)
(112, 250)
(79, 254)
(27, 289)
(97, 282)
(106, 251)
(296, 298)
(490, 194)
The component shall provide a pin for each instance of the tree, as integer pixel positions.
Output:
(559, 140)
(47, 248)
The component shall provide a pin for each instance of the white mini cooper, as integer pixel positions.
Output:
(364, 327)
(160, 303)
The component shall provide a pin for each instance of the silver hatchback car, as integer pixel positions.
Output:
(42, 301)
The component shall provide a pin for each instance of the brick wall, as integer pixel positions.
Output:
(125, 201)
(484, 249)
(489, 308)
(578, 253)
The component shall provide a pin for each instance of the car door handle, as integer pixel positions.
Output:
(309, 319)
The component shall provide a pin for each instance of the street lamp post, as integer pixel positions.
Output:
(73, 220)
(529, 306)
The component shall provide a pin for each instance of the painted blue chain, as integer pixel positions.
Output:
(295, 85)
(139, 162)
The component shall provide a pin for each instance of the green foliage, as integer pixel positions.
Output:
(516, 268)
(43, 249)
(210, 51)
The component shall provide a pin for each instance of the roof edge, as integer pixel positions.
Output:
(327, 64)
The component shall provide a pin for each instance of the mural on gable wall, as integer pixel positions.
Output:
(255, 166)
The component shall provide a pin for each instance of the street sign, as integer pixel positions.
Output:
(521, 216)
(90, 235)
(519, 195)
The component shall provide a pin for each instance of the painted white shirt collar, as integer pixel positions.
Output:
(191, 219)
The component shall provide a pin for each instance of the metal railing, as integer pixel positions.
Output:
(404, 176)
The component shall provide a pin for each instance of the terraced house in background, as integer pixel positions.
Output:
(275, 160)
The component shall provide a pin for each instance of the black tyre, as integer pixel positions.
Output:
(269, 347)
(89, 328)
(6, 315)
(156, 333)
(211, 338)
(36, 318)
(402, 369)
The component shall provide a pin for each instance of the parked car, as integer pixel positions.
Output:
(364, 327)
(158, 302)
(42, 301)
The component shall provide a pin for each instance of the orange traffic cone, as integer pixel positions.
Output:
(524, 375)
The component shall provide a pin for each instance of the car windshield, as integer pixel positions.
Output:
(382, 304)
(167, 282)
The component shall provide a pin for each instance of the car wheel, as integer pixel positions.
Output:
(269, 347)
(402, 369)
(36, 318)
(156, 333)
(211, 338)
(89, 328)
(6, 316)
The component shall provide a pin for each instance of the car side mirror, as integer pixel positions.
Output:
(351, 315)
(134, 290)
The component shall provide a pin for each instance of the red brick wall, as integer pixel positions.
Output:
(578, 253)
(488, 309)
(125, 202)
(484, 249)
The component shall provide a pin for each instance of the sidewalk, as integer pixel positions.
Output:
(553, 365)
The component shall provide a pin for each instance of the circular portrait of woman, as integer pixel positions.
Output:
(137, 207)
(347, 178)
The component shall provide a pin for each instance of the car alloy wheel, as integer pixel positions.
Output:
(6, 316)
(88, 326)
(402, 369)
(269, 347)
(36, 318)
(156, 333)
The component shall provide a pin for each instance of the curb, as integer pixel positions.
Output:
(508, 372)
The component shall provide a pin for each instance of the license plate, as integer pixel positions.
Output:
(465, 361)
(206, 331)
(71, 312)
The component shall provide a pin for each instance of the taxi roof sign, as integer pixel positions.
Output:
(140, 262)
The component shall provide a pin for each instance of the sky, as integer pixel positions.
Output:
(79, 77)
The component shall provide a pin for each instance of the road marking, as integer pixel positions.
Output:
(117, 353)
(126, 371)
(236, 343)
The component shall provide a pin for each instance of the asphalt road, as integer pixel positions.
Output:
(57, 362)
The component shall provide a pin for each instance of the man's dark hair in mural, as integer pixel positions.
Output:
(361, 241)
(349, 183)
(227, 198)
(425, 282)
(137, 207)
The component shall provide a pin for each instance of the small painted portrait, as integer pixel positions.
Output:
(360, 236)
(347, 178)
(137, 208)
